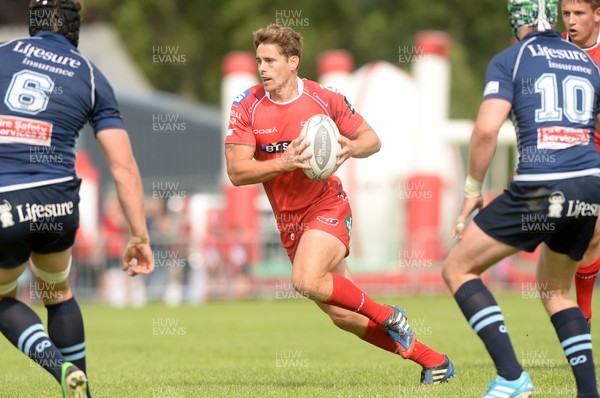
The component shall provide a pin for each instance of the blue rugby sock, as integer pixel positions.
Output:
(24, 329)
(485, 317)
(574, 335)
(65, 328)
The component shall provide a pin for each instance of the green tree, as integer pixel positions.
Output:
(204, 31)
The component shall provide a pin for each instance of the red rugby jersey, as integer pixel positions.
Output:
(270, 126)
(594, 53)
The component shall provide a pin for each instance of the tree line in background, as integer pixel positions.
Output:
(201, 32)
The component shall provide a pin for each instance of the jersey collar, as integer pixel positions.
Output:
(300, 91)
(55, 37)
(586, 48)
(549, 32)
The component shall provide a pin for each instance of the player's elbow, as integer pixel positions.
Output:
(485, 132)
(125, 173)
(377, 145)
(373, 147)
(236, 183)
(234, 178)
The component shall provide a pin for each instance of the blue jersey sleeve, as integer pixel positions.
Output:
(498, 79)
(105, 113)
(597, 93)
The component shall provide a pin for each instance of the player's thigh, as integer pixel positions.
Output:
(318, 253)
(555, 274)
(555, 271)
(54, 234)
(472, 255)
(324, 240)
(593, 251)
(15, 232)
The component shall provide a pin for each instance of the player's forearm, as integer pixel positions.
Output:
(483, 146)
(117, 150)
(366, 145)
(131, 197)
(492, 113)
(246, 172)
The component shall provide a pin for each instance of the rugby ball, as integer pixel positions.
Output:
(321, 132)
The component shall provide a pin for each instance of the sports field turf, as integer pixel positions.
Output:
(287, 348)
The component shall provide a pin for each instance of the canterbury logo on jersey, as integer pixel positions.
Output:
(275, 147)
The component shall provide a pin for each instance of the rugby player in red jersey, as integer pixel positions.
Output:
(264, 145)
(582, 23)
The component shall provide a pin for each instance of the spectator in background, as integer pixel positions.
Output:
(238, 264)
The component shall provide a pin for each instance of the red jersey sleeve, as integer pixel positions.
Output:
(239, 129)
(342, 113)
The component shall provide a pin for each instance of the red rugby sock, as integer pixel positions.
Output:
(346, 295)
(377, 336)
(426, 356)
(422, 354)
(585, 280)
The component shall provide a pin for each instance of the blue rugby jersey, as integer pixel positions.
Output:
(48, 92)
(554, 89)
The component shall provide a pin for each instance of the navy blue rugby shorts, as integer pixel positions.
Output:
(561, 213)
(41, 220)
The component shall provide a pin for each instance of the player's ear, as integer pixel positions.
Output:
(294, 61)
(597, 15)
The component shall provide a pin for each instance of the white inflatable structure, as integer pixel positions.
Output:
(400, 195)
(406, 197)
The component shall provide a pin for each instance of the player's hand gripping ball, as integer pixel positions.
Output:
(322, 134)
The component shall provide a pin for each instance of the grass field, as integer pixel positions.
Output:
(287, 348)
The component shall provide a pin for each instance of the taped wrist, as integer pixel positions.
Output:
(472, 188)
(138, 240)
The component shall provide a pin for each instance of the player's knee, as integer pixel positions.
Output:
(301, 285)
(53, 278)
(554, 296)
(311, 287)
(447, 273)
(55, 283)
(304, 283)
